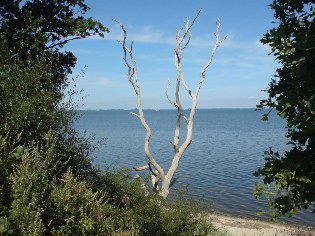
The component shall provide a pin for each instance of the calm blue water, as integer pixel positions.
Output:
(228, 146)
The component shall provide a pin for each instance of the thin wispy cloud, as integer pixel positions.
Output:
(152, 35)
(146, 34)
(107, 82)
(149, 34)
(255, 56)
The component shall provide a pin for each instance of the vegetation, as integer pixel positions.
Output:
(290, 177)
(48, 185)
(33, 80)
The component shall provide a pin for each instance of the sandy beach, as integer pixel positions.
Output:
(239, 226)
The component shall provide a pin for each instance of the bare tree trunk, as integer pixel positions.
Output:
(182, 41)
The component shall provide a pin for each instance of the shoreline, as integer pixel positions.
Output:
(245, 226)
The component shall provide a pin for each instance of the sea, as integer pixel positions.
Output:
(227, 148)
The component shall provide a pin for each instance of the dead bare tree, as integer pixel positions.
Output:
(183, 35)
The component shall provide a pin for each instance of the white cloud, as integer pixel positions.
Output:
(106, 82)
(149, 34)
(146, 34)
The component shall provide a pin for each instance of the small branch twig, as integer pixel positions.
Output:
(216, 46)
(154, 172)
(141, 168)
(173, 103)
(166, 93)
(135, 114)
(62, 42)
(187, 31)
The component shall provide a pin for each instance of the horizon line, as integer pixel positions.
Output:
(159, 109)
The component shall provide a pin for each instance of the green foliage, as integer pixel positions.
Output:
(78, 210)
(28, 115)
(34, 77)
(34, 72)
(154, 216)
(46, 205)
(291, 176)
(30, 184)
(32, 28)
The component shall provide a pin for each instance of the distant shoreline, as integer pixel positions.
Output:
(165, 109)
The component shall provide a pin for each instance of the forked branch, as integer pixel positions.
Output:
(180, 149)
(183, 37)
(132, 75)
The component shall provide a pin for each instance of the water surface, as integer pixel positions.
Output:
(227, 147)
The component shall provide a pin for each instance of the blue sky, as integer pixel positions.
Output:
(241, 68)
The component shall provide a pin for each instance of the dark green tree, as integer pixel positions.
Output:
(32, 34)
(290, 177)
(35, 73)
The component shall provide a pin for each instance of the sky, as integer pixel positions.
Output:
(240, 70)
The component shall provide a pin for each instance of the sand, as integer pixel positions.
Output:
(240, 226)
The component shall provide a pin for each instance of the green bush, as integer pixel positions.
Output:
(179, 217)
(44, 204)
(10, 154)
(31, 188)
(78, 210)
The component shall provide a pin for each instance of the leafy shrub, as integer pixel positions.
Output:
(78, 210)
(180, 217)
(44, 204)
(30, 192)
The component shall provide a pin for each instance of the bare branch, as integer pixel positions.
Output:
(62, 42)
(216, 46)
(155, 182)
(135, 114)
(188, 41)
(185, 118)
(188, 27)
(133, 73)
(180, 78)
(154, 172)
(166, 93)
(141, 168)
(173, 103)
(186, 86)
(179, 150)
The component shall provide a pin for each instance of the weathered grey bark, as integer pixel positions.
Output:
(182, 40)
